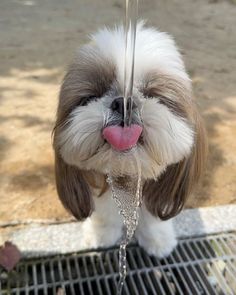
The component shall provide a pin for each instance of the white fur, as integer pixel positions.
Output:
(154, 50)
(155, 236)
(104, 227)
(82, 137)
(167, 137)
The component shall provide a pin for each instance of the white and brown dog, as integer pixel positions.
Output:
(166, 127)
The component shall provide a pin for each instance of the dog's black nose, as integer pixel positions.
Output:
(118, 105)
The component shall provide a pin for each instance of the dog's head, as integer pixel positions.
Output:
(171, 147)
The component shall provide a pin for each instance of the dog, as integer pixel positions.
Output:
(167, 132)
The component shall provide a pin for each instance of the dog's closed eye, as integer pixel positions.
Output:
(86, 100)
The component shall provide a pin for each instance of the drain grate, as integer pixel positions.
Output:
(202, 265)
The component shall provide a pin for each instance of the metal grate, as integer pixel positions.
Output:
(202, 265)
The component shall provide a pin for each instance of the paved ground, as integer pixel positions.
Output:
(41, 240)
(38, 39)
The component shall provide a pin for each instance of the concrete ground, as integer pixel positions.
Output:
(46, 240)
(38, 39)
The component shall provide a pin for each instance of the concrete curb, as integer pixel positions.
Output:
(35, 241)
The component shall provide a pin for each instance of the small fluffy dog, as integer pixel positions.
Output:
(166, 129)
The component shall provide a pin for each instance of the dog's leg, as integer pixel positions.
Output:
(155, 236)
(104, 227)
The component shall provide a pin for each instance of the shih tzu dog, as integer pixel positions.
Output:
(166, 131)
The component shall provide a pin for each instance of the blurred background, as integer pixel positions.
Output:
(37, 41)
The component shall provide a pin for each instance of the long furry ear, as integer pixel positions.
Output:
(166, 197)
(73, 189)
(90, 74)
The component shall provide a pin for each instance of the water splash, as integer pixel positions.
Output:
(130, 38)
(127, 193)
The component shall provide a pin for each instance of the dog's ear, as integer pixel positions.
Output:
(73, 189)
(166, 196)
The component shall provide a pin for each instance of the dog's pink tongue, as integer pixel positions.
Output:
(122, 138)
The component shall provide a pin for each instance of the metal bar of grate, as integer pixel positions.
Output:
(200, 265)
(201, 284)
(217, 272)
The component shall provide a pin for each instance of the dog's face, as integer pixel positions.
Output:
(171, 146)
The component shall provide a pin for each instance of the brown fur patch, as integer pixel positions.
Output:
(89, 75)
(171, 92)
(73, 190)
(97, 181)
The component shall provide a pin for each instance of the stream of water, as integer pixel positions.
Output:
(130, 38)
(126, 184)
(127, 193)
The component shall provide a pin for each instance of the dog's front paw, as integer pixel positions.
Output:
(99, 235)
(160, 247)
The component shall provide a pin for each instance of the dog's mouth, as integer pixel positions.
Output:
(121, 138)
